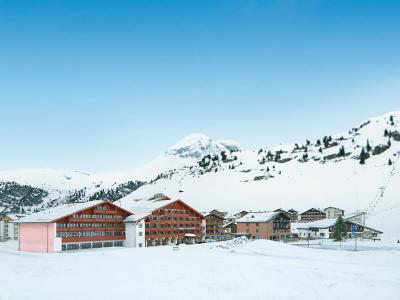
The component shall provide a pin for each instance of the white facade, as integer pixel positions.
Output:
(333, 212)
(320, 233)
(135, 234)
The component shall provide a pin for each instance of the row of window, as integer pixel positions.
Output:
(95, 216)
(157, 232)
(171, 218)
(172, 211)
(89, 233)
(102, 207)
(163, 225)
(66, 247)
(89, 225)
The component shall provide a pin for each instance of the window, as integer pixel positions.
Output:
(72, 246)
(140, 233)
(86, 245)
(140, 225)
(140, 244)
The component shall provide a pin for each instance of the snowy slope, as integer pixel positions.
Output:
(219, 174)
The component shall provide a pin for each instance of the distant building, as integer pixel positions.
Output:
(8, 228)
(265, 225)
(230, 227)
(311, 215)
(294, 215)
(217, 212)
(333, 212)
(323, 229)
(214, 225)
(161, 221)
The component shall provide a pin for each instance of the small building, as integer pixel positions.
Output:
(218, 213)
(294, 215)
(265, 225)
(214, 225)
(323, 229)
(230, 227)
(333, 212)
(161, 221)
(8, 227)
(92, 224)
(311, 215)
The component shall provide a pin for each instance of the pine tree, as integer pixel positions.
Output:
(340, 230)
(342, 152)
(320, 150)
(368, 147)
(363, 156)
(325, 140)
(386, 132)
(389, 143)
(318, 143)
(391, 120)
(390, 162)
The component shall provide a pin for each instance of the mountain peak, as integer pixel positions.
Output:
(197, 145)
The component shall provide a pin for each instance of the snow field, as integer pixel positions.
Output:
(229, 270)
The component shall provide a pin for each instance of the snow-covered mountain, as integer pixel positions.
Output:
(220, 174)
(198, 145)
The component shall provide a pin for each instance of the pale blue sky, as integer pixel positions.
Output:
(108, 85)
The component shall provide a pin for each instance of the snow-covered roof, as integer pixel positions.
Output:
(135, 218)
(294, 227)
(143, 206)
(324, 223)
(355, 214)
(258, 217)
(58, 212)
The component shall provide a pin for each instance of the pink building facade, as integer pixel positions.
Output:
(38, 237)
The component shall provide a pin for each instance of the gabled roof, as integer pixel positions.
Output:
(324, 223)
(327, 223)
(311, 210)
(258, 217)
(143, 207)
(58, 212)
(355, 214)
(215, 215)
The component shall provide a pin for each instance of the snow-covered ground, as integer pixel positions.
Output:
(230, 270)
